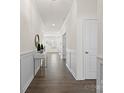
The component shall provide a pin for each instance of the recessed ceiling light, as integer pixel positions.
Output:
(53, 24)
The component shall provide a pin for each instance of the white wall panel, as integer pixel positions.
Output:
(71, 62)
(27, 69)
(68, 59)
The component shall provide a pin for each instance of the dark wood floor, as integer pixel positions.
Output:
(56, 78)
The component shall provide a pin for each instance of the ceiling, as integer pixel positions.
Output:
(53, 13)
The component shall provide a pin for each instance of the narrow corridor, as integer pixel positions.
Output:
(56, 78)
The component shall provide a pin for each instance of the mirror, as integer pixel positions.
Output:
(37, 40)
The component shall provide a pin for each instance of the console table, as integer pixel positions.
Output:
(39, 56)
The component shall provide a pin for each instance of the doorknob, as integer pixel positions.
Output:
(86, 52)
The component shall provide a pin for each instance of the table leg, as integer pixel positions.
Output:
(34, 67)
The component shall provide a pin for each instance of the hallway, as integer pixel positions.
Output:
(56, 78)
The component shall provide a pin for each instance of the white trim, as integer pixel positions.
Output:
(73, 74)
(27, 52)
(27, 84)
(37, 69)
(100, 60)
(88, 18)
(71, 50)
(53, 52)
(100, 57)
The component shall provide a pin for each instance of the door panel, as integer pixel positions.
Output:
(90, 48)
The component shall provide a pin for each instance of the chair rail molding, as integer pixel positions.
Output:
(27, 52)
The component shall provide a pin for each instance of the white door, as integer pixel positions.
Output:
(90, 48)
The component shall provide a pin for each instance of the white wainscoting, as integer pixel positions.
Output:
(27, 69)
(71, 61)
(99, 75)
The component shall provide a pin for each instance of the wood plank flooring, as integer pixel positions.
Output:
(56, 78)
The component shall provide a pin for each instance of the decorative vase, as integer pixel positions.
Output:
(38, 47)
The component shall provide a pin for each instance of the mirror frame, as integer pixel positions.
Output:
(37, 40)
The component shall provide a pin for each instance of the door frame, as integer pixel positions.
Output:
(64, 45)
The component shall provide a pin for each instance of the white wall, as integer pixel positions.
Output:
(31, 24)
(71, 39)
(70, 27)
(86, 8)
(81, 9)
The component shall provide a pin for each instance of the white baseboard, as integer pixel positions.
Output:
(71, 72)
(27, 84)
(29, 81)
(37, 69)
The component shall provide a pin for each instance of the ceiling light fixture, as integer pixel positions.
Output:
(53, 0)
(53, 24)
